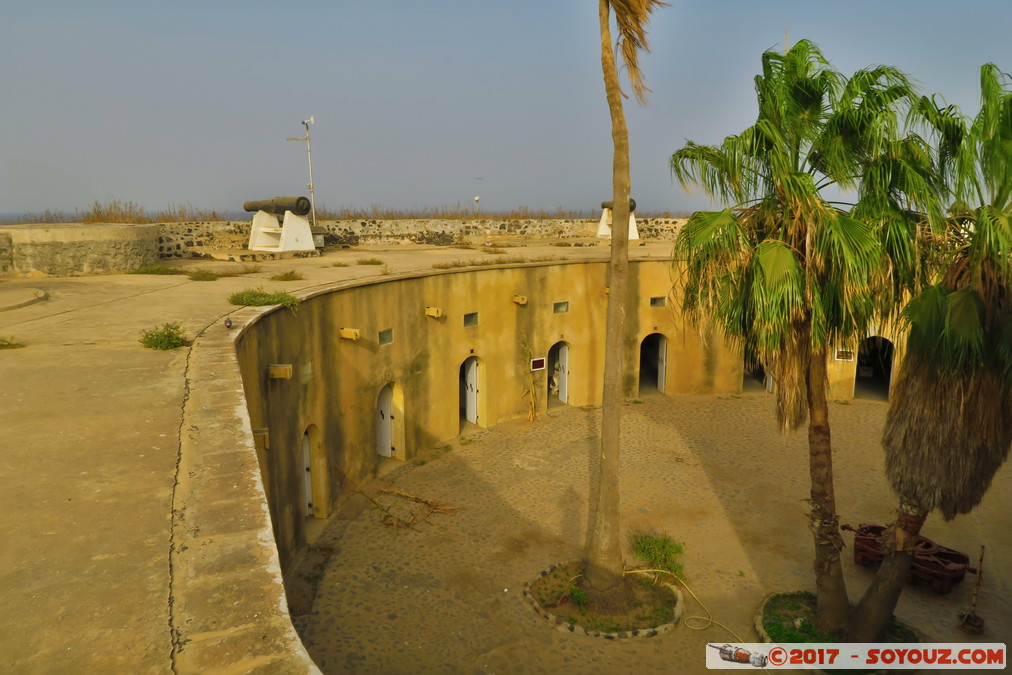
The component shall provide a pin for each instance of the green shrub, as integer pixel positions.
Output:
(167, 336)
(10, 343)
(290, 275)
(369, 261)
(203, 275)
(659, 552)
(578, 596)
(257, 297)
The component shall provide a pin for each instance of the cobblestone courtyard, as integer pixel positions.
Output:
(711, 472)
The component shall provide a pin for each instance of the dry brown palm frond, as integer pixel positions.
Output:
(632, 17)
(789, 369)
(946, 436)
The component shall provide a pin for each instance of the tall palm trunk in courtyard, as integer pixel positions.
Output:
(949, 426)
(603, 574)
(784, 272)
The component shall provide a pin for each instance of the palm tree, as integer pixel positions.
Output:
(949, 426)
(602, 578)
(785, 273)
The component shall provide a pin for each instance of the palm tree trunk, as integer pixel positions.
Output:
(872, 615)
(603, 578)
(830, 589)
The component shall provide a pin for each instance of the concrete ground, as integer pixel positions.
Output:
(89, 440)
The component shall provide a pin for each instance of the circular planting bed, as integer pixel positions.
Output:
(554, 595)
(790, 618)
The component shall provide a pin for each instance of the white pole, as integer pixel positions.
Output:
(309, 153)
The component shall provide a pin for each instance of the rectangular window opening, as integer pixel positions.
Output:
(561, 307)
(471, 319)
(386, 336)
(659, 301)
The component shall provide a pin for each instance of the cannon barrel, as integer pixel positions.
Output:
(300, 206)
(611, 205)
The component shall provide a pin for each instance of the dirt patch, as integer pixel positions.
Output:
(558, 593)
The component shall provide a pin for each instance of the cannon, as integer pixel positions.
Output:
(292, 234)
(604, 227)
(610, 205)
(300, 206)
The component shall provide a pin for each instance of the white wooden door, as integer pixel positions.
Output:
(563, 373)
(471, 390)
(384, 425)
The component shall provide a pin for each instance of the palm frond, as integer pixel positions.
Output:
(945, 438)
(632, 18)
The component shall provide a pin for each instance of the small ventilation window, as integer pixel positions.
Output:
(659, 301)
(561, 307)
(386, 336)
(471, 319)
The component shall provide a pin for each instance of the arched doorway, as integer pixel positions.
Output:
(469, 391)
(874, 369)
(558, 375)
(653, 363)
(755, 378)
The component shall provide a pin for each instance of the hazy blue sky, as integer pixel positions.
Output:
(417, 104)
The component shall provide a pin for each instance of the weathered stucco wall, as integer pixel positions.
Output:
(72, 250)
(335, 382)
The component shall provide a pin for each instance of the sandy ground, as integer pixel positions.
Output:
(711, 472)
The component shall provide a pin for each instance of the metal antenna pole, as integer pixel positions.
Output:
(309, 153)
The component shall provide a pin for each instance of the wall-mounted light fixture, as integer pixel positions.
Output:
(520, 299)
(434, 312)
(279, 371)
(350, 333)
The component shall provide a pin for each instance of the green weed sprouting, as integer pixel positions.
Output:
(10, 343)
(290, 275)
(167, 336)
(203, 275)
(257, 297)
(659, 552)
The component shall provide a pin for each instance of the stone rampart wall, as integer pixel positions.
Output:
(72, 250)
(6, 255)
(75, 250)
(182, 240)
(179, 240)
